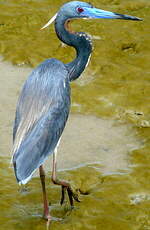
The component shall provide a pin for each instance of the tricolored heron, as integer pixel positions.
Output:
(44, 103)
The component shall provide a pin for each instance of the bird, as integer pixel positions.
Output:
(44, 103)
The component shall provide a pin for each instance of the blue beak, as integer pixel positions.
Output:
(97, 13)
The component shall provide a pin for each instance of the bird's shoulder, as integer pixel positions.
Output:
(46, 81)
(51, 67)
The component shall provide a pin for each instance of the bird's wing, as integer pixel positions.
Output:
(41, 115)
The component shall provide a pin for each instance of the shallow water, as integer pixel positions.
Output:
(105, 150)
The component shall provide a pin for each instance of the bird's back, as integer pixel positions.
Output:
(41, 114)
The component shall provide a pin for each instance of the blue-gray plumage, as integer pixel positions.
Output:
(44, 103)
(41, 115)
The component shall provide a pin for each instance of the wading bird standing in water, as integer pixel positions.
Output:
(44, 103)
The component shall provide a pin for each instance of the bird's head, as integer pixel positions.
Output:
(78, 9)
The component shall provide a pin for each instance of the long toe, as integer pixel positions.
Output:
(62, 194)
(72, 196)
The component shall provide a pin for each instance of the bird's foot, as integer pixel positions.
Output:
(66, 187)
(47, 217)
(72, 196)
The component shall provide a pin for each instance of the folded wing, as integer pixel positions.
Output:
(41, 114)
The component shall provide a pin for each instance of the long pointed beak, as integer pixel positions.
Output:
(98, 13)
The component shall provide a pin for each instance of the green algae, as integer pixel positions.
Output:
(107, 201)
(120, 60)
(115, 85)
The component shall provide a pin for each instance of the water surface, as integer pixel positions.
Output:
(106, 149)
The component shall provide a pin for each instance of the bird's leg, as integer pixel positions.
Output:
(65, 185)
(45, 201)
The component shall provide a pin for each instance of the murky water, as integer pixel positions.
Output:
(105, 151)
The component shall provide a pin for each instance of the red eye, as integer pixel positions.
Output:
(80, 10)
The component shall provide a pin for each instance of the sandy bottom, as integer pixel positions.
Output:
(86, 139)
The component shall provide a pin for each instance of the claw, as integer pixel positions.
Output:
(72, 196)
(62, 195)
(75, 196)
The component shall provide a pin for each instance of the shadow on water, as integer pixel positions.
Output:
(113, 95)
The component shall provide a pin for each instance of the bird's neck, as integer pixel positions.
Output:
(82, 44)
